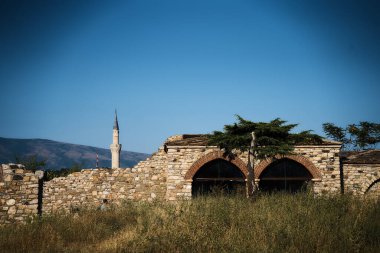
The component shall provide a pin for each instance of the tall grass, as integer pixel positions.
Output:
(273, 223)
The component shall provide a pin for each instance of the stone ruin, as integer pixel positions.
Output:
(19, 190)
(183, 167)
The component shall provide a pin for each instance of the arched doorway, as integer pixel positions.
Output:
(218, 176)
(285, 175)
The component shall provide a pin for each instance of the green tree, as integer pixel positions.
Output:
(261, 139)
(364, 135)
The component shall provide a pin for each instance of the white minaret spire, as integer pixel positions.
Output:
(115, 146)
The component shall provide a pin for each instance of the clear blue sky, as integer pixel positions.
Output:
(173, 67)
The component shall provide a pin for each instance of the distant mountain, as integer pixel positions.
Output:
(63, 155)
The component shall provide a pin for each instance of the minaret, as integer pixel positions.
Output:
(115, 146)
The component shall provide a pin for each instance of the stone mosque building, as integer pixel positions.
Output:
(185, 166)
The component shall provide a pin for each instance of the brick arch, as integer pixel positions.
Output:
(297, 158)
(213, 156)
(372, 183)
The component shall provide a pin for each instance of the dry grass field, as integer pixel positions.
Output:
(271, 223)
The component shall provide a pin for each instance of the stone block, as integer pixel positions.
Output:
(11, 202)
(12, 210)
(33, 201)
(33, 207)
(19, 171)
(8, 178)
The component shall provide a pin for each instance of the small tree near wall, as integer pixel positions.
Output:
(262, 140)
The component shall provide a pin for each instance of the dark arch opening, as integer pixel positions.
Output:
(285, 175)
(218, 176)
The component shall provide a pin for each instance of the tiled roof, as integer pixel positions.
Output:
(361, 157)
(190, 140)
(201, 140)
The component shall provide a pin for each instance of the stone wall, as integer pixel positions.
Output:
(18, 193)
(163, 176)
(361, 178)
(324, 160)
(180, 159)
(145, 181)
(166, 175)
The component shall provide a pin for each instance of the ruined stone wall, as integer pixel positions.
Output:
(361, 178)
(145, 181)
(18, 193)
(166, 175)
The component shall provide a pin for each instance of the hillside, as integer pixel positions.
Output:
(63, 155)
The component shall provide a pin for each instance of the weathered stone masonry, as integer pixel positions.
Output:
(145, 181)
(183, 161)
(362, 173)
(361, 178)
(168, 175)
(18, 193)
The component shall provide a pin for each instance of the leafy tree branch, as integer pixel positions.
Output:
(364, 135)
(272, 138)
